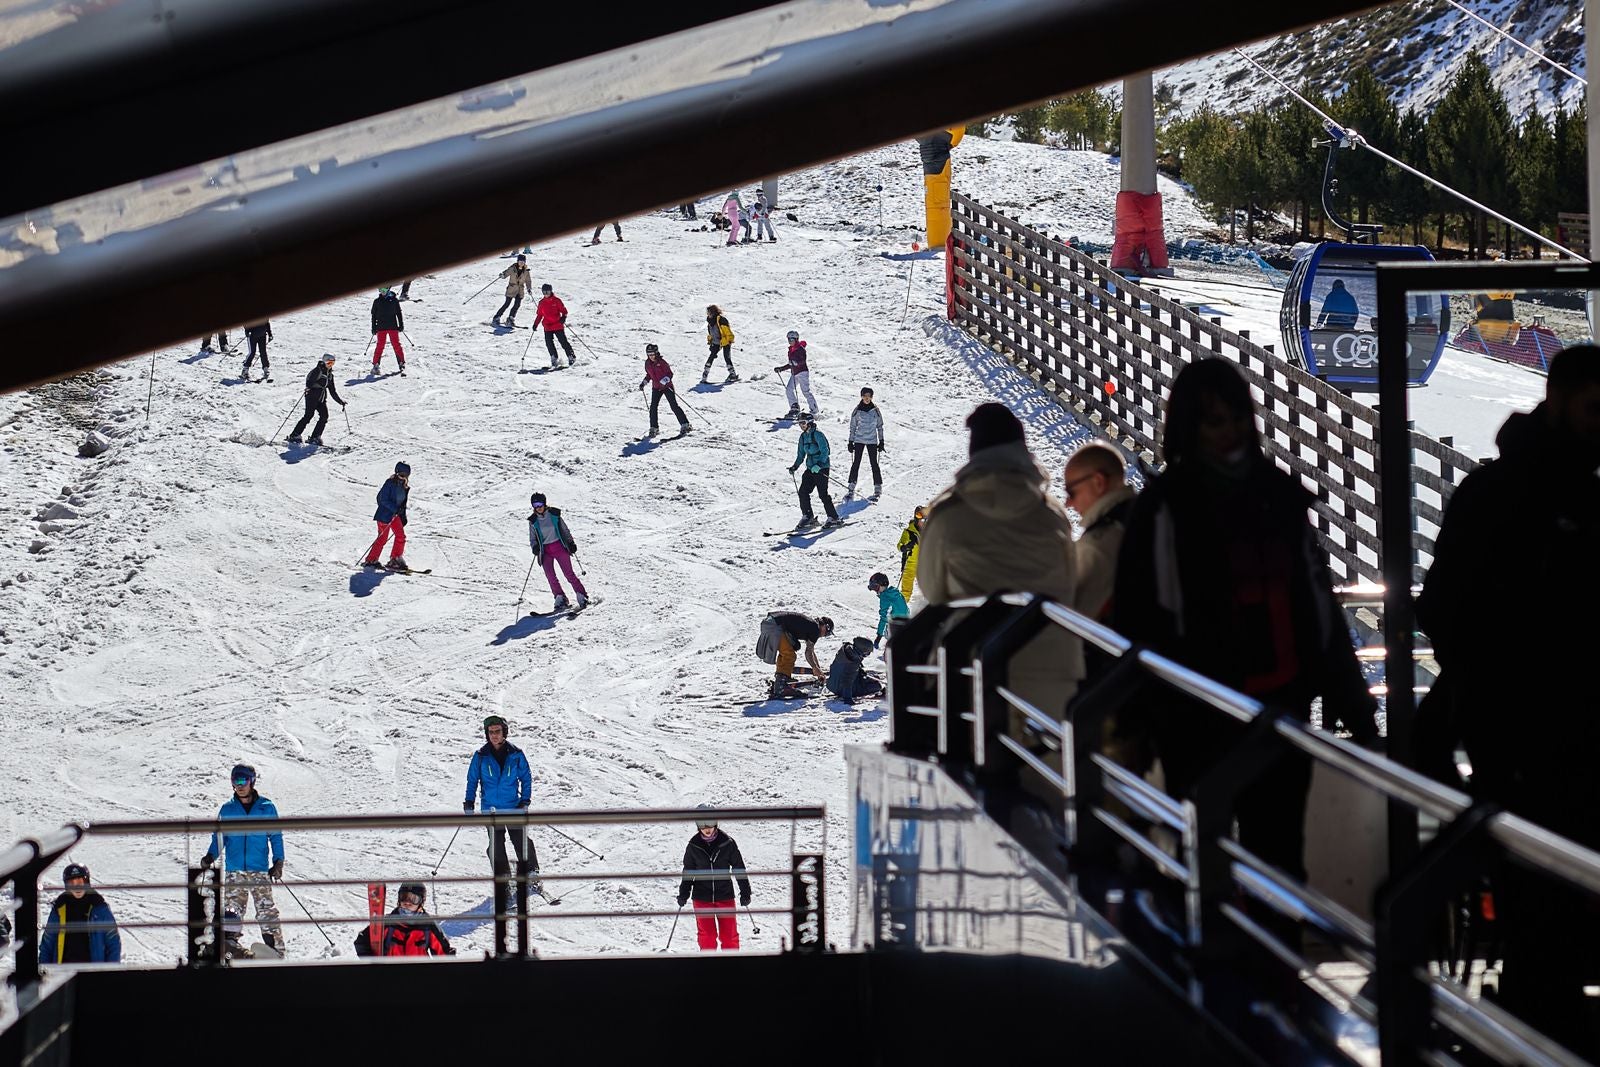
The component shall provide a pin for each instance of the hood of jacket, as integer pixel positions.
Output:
(1001, 482)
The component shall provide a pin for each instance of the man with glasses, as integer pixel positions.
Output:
(80, 928)
(500, 772)
(1097, 489)
(251, 861)
(710, 851)
(408, 931)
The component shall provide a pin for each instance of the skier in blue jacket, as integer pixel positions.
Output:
(500, 771)
(64, 940)
(812, 452)
(891, 604)
(391, 518)
(250, 860)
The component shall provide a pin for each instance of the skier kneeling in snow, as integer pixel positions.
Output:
(552, 543)
(413, 935)
(847, 679)
(391, 518)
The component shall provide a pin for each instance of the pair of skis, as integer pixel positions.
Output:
(807, 529)
(571, 613)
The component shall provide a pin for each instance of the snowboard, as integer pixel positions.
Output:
(807, 530)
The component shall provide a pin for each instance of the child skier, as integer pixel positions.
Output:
(552, 543)
(659, 376)
(761, 215)
(387, 322)
(847, 678)
(391, 518)
(408, 932)
(799, 377)
(719, 335)
(891, 604)
(733, 209)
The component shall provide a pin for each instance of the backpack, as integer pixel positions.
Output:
(768, 640)
(842, 672)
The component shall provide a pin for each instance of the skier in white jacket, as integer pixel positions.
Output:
(866, 435)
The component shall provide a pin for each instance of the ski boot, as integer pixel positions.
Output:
(594, 240)
(806, 523)
(583, 602)
(374, 373)
(511, 323)
(274, 943)
(831, 523)
(794, 413)
(877, 490)
(397, 563)
(294, 440)
(705, 377)
(780, 684)
(315, 441)
(402, 368)
(733, 376)
(371, 563)
(850, 491)
(651, 432)
(683, 428)
(495, 321)
(561, 604)
(572, 361)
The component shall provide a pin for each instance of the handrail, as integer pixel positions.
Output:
(1098, 801)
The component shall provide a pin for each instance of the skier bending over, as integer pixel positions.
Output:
(795, 632)
(799, 377)
(501, 772)
(388, 320)
(719, 335)
(319, 386)
(520, 281)
(552, 315)
(812, 451)
(552, 543)
(409, 931)
(709, 851)
(250, 861)
(658, 374)
(391, 518)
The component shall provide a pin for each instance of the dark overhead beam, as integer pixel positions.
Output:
(307, 241)
(143, 87)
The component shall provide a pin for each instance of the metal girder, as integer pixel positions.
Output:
(595, 139)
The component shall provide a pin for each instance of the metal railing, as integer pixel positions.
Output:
(202, 890)
(948, 673)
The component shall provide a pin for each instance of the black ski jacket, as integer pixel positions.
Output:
(260, 329)
(319, 383)
(386, 314)
(721, 853)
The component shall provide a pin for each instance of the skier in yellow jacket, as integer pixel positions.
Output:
(910, 542)
(719, 335)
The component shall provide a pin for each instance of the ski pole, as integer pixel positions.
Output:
(754, 929)
(348, 428)
(279, 430)
(479, 293)
(445, 853)
(580, 340)
(151, 395)
(310, 916)
(674, 929)
(912, 273)
(525, 348)
(580, 844)
(522, 594)
(684, 401)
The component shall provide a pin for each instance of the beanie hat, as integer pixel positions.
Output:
(992, 424)
(536, 499)
(402, 467)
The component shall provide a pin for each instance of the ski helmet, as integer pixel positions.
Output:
(793, 337)
(75, 870)
(705, 821)
(403, 468)
(547, 288)
(327, 357)
(384, 290)
(415, 889)
(879, 580)
(651, 350)
(521, 258)
(495, 720)
(536, 499)
(243, 774)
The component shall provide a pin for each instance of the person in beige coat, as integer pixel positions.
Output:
(519, 281)
(1097, 489)
(998, 529)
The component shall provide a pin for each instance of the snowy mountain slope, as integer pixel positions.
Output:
(1414, 48)
(187, 600)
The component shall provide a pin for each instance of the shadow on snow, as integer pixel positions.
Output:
(526, 626)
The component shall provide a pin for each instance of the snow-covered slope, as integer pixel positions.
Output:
(187, 600)
(1413, 47)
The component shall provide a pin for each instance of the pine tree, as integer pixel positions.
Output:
(1534, 173)
(1366, 108)
(1470, 145)
(1410, 198)
(1294, 132)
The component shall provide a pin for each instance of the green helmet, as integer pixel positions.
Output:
(495, 720)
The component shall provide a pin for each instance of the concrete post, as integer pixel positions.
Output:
(1139, 133)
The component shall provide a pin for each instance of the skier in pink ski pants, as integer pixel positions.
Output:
(552, 543)
(732, 207)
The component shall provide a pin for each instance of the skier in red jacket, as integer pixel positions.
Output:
(659, 377)
(407, 931)
(552, 315)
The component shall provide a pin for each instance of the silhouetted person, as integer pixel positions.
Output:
(1339, 310)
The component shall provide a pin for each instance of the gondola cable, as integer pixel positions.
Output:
(1526, 48)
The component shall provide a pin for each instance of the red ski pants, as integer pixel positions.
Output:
(384, 530)
(393, 337)
(714, 918)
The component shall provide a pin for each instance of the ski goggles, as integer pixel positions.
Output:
(242, 780)
(410, 903)
(706, 825)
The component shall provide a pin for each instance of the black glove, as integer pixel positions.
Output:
(343, 404)
(794, 468)
(744, 899)
(883, 448)
(402, 520)
(276, 870)
(683, 898)
(206, 861)
(572, 549)
(878, 643)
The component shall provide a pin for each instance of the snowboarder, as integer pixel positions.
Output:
(799, 377)
(250, 861)
(847, 678)
(319, 386)
(552, 315)
(387, 321)
(391, 518)
(891, 604)
(596, 238)
(258, 336)
(761, 215)
(710, 850)
(500, 772)
(66, 938)
(732, 208)
(519, 281)
(866, 435)
(795, 633)
(658, 374)
(719, 335)
(812, 452)
(409, 932)
(552, 544)
(910, 542)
